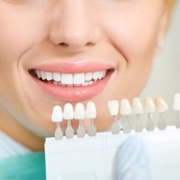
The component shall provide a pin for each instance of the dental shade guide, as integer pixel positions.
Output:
(90, 113)
(125, 112)
(137, 110)
(77, 158)
(161, 107)
(149, 108)
(68, 115)
(79, 114)
(113, 107)
(176, 107)
(57, 118)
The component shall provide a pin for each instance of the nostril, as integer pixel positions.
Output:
(63, 44)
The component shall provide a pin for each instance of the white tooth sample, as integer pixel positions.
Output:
(113, 107)
(49, 76)
(67, 78)
(95, 75)
(176, 102)
(126, 110)
(78, 78)
(90, 112)
(57, 117)
(80, 115)
(161, 105)
(56, 76)
(101, 74)
(149, 105)
(79, 112)
(137, 107)
(149, 108)
(57, 114)
(38, 73)
(43, 75)
(68, 113)
(125, 107)
(88, 76)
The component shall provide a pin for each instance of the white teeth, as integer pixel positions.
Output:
(43, 75)
(149, 105)
(79, 112)
(125, 107)
(90, 112)
(79, 78)
(68, 113)
(88, 76)
(56, 76)
(101, 74)
(137, 106)
(176, 102)
(49, 76)
(38, 74)
(67, 79)
(113, 107)
(95, 75)
(56, 114)
(161, 105)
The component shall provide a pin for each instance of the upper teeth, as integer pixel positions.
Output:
(71, 79)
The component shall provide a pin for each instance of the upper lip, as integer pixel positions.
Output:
(74, 67)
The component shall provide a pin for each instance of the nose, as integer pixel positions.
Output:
(74, 27)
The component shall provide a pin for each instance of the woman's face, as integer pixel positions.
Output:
(71, 40)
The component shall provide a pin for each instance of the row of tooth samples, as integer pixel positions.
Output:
(124, 108)
(79, 113)
(71, 79)
(176, 107)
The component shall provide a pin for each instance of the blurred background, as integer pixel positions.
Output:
(165, 77)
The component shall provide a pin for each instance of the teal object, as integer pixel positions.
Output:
(30, 166)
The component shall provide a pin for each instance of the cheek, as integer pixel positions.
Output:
(19, 31)
(133, 31)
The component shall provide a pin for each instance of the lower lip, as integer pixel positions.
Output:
(74, 94)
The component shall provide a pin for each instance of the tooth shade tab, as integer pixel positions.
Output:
(57, 115)
(125, 107)
(90, 112)
(161, 105)
(137, 107)
(113, 107)
(79, 112)
(176, 102)
(149, 105)
(68, 113)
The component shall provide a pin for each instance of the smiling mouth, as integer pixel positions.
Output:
(70, 80)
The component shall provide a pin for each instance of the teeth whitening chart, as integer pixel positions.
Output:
(154, 117)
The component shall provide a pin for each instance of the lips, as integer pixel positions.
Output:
(72, 82)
